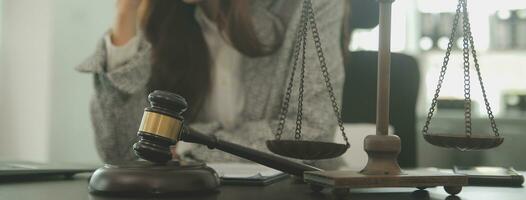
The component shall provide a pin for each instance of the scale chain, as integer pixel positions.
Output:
(325, 72)
(467, 81)
(479, 74)
(307, 17)
(467, 43)
(299, 116)
(442, 70)
(286, 100)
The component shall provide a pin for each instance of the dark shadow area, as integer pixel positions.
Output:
(359, 96)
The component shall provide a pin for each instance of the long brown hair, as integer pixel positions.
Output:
(181, 59)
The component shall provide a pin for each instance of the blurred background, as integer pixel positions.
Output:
(44, 102)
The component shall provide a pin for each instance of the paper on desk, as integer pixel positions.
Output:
(243, 170)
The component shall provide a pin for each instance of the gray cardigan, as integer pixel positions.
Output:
(120, 94)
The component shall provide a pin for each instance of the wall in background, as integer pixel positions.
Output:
(1, 53)
(25, 79)
(44, 102)
(78, 26)
(1, 15)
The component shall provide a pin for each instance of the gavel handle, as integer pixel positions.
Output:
(260, 157)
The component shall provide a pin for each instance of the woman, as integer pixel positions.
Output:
(230, 59)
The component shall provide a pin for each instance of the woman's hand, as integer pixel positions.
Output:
(124, 27)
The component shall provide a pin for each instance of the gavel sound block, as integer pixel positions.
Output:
(163, 126)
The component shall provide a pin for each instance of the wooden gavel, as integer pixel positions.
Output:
(163, 126)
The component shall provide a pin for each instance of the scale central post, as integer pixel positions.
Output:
(384, 68)
(383, 149)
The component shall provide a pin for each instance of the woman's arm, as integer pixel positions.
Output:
(121, 74)
(117, 105)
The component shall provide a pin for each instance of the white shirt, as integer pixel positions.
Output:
(225, 100)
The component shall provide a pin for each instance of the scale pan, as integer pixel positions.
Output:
(463, 142)
(306, 150)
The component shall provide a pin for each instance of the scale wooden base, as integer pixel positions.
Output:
(382, 170)
(341, 181)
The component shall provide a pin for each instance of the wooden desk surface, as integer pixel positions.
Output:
(77, 188)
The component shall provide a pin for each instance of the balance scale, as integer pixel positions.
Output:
(382, 169)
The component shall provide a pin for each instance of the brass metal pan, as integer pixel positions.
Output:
(306, 150)
(463, 142)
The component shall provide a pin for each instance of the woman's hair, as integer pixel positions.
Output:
(181, 59)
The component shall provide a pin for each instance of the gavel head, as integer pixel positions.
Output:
(161, 126)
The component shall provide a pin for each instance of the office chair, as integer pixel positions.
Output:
(359, 96)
